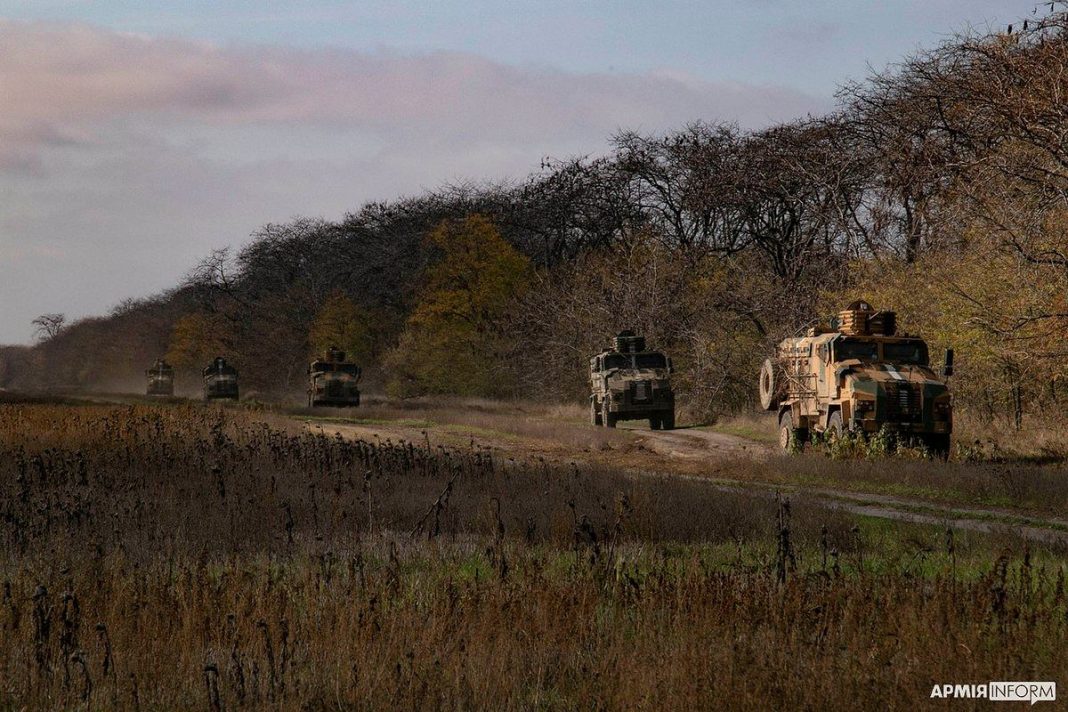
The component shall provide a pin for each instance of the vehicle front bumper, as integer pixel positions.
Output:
(938, 427)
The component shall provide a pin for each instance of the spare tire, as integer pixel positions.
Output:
(769, 386)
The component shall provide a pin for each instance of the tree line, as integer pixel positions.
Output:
(938, 188)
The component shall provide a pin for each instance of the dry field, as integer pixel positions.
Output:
(185, 557)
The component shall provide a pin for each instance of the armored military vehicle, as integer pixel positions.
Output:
(332, 381)
(220, 381)
(858, 375)
(160, 380)
(627, 382)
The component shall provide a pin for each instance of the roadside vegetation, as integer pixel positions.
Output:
(936, 187)
(213, 558)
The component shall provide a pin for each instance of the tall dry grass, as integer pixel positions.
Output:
(199, 558)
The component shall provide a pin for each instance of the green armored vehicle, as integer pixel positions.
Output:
(858, 375)
(627, 382)
(160, 380)
(220, 381)
(333, 381)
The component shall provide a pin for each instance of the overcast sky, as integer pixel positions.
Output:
(135, 136)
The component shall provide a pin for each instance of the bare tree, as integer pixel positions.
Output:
(48, 326)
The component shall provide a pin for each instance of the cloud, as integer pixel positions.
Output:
(123, 158)
(58, 80)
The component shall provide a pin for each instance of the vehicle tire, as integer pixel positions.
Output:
(595, 412)
(835, 426)
(791, 438)
(667, 420)
(608, 417)
(938, 445)
(655, 423)
(786, 430)
(769, 386)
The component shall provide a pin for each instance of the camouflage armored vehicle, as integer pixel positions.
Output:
(858, 375)
(630, 383)
(160, 380)
(332, 381)
(220, 381)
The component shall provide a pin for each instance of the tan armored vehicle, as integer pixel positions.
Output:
(160, 380)
(220, 380)
(630, 383)
(858, 375)
(333, 381)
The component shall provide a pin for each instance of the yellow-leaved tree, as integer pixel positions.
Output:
(452, 339)
(196, 339)
(995, 308)
(341, 323)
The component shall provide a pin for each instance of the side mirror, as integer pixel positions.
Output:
(947, 367)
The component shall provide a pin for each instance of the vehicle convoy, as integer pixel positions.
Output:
(858, 376)
(220, 381)
(160, 380)
(627, 382)
(333, 381)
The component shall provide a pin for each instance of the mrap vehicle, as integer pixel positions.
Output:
(160, 380)
(627, 382)
(858, 375)
(333, 381)
(220, 381)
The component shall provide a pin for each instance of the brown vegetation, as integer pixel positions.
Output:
(936, 188)
(202, 558)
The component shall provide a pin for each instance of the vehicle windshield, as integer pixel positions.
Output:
(327, 367)
(910, 352)
(650, 361)
(616, 361)
(847, 349)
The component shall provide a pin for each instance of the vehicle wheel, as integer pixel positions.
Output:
(769, 386)
(608, 417)
(655, 423)
(786, 430)
(790, 437)
(595, 413)
(667, 420)
(835, 426)
(938, 445)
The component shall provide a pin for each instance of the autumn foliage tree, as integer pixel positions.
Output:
(453, 338)
(341, 323)
(195, 340)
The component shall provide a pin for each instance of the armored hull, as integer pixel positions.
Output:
(220, 381)
(858, 376)
(333, 382)
(160, 380)
(628, 382)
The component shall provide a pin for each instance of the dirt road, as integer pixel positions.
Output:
(701, 445)
(699, 454)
